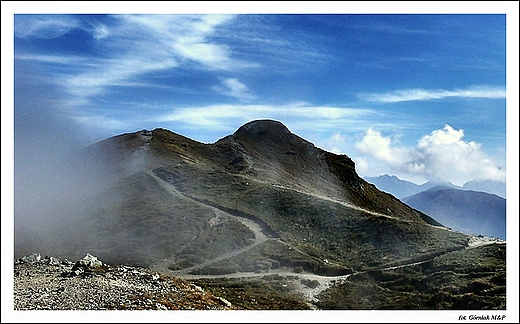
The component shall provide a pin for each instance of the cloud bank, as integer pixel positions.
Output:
(441, 155)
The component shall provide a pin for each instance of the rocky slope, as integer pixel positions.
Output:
(470, 279)
(51, 284)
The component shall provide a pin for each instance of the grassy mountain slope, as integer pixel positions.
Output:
(257, 202)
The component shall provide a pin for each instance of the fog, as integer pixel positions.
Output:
(47, 181)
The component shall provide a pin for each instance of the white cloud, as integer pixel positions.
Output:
(440, 137)
(443, 154)
(43, 26)
(335, 143)
(108, 123)
(314, 123)
(380, 147)
(186, 37)
(55, 59)
(446, 154)
(234, 88)
(301, 114)
(362, 165)
(114, 72)
(133, 45)
(423, 94)
(100, 31)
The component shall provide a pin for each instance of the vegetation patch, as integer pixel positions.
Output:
(267, 293)
(453, 281)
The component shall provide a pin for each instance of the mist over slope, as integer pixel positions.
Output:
(259, 201)
(150, 183)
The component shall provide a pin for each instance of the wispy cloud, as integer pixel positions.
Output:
(214, 114)
(123, 48)
(186, 37)
(313, 122)
(100, 31)
(115, 124)
(55, 59)
(443, 154)
(84, 77)
(114, 72)
(133, 45)
(234, 88)
(43, 26)
(395, 29)
(424, 94)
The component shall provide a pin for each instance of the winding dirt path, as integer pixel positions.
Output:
(256, 228)
(344, 203)
(308, 284)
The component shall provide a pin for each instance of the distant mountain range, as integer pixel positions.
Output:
(467, 211)
(402, 188)
(493, 187)
(265, 210)
(459, 208)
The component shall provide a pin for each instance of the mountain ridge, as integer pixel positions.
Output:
(403, 188)
(467, 211)
(261, 201)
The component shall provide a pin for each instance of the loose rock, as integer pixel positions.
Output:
(89, 284)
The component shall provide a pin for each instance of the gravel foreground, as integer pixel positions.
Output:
(51, 284)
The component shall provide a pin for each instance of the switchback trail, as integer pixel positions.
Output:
(256, 228)
(308, 284)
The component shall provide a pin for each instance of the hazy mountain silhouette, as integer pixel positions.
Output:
(261, 201)
(395, 186)
(402, 188)
(493, 187)
(463, 210)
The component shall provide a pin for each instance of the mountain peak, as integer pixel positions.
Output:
(261, 128)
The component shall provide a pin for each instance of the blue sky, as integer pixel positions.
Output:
(420, 96)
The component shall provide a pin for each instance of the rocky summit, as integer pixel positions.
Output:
(261, 218)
